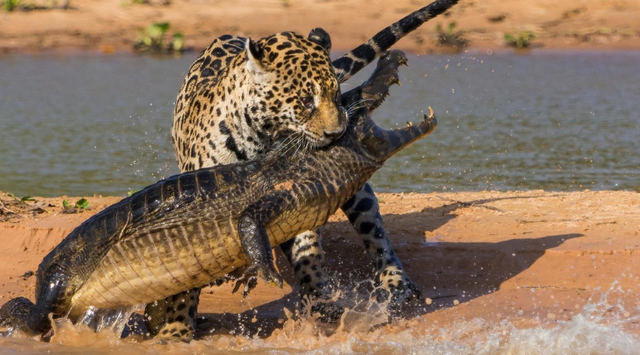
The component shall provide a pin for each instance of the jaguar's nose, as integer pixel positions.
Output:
(333, 135)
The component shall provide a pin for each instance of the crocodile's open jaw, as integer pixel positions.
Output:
(380, 144)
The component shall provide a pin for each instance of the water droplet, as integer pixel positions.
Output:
(428, 301)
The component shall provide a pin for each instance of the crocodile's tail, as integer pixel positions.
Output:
(351, 63)
(19, 314)
(380, 144)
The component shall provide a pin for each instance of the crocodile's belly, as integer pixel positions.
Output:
(151, 266)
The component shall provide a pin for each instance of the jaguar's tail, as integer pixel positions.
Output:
(350, 63)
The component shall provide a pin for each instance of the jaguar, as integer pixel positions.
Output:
(239, 94)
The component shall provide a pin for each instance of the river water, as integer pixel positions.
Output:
(84, 124)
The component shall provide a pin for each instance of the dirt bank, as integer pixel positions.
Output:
(517, 255)
(112, 25)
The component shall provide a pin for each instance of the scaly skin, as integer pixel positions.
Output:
(191, 229)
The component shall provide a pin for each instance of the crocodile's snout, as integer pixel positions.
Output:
(380, 144)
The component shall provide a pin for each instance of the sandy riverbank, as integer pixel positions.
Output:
(112, 25)
(518, 255)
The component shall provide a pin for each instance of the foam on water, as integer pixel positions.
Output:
(602, 327)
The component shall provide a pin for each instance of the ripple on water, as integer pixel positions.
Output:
(555, 121)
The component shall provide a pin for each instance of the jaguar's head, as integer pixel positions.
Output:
(299, 91)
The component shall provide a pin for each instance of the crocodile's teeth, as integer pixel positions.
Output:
(409, 124)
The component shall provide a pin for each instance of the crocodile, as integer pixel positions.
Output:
(193, 228)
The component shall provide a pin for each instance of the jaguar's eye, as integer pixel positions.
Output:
(308, 103)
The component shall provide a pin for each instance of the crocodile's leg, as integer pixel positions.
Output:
(255, 241)
(364, 214)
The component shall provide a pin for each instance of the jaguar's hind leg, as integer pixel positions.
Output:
(173, 318)
(364, 214)
(307, 258)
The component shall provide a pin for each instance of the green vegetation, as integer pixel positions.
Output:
(26, 199)
(13, 5)
(521, 40)
(10, 5)
(152, 39)
(450, 37)
(80, 205)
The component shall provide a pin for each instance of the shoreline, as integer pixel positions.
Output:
(112, 26)
(473, 51)
(474, 254)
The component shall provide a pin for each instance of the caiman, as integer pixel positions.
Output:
(193, 228)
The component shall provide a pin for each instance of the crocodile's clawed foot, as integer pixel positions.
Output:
(250, 276)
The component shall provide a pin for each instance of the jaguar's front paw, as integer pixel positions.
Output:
(323, 302)
(398, 286)
(330, 311)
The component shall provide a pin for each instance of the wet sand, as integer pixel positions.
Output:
(522, 256)
(113, 25)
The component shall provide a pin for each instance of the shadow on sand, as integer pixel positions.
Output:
(445, 271)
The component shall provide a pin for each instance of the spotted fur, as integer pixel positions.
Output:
(239, 94)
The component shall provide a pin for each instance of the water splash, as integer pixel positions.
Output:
(602, 327)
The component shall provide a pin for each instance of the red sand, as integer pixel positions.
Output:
(483, 254)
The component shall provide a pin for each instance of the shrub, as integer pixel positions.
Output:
(520, 40)
(152, 39)
(450, 37)
(10, 5)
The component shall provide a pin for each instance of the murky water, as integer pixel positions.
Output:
(601, 327)
(90, 124)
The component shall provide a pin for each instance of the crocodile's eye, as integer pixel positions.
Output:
(308, 103)
(338, 97)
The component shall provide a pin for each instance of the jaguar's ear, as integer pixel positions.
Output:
(255, 54)
(321, 37)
